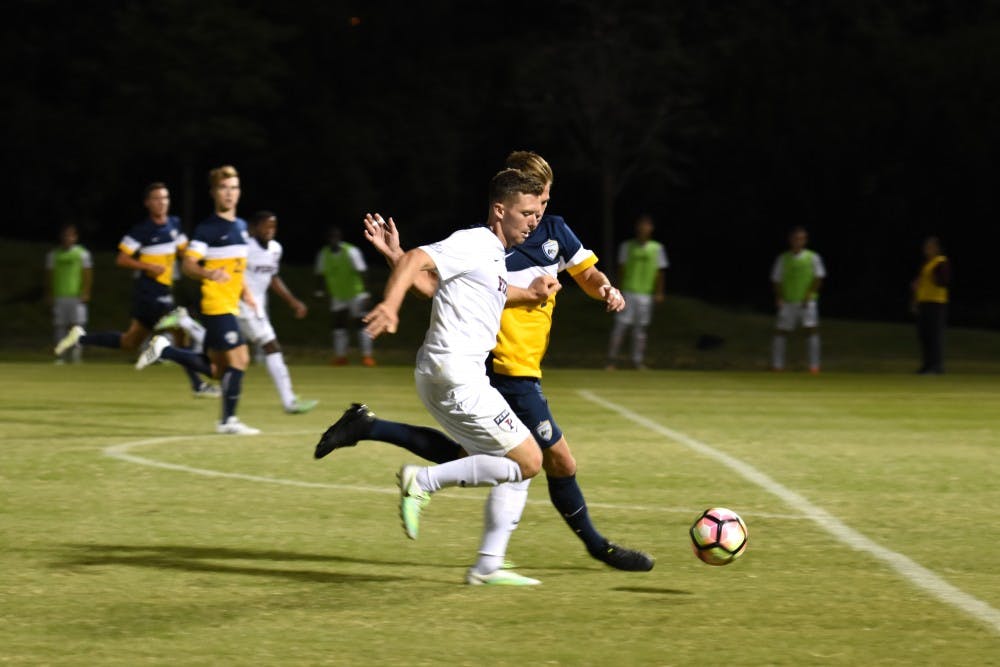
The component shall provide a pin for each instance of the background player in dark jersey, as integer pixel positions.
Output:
(217, 255)
(515, 368)
(150, 249)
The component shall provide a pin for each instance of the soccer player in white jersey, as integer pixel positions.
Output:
(469, 296)
(263, 259)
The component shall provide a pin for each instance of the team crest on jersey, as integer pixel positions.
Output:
(551, 248)
(173, 233)
(505, 421)
(544, 430)
(232, 337)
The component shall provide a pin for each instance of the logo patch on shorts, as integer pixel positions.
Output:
(544, 430)
(505, 421)
(551, 248)
(232, 337)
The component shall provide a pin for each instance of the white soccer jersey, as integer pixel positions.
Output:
(262, 266)
(465, 313)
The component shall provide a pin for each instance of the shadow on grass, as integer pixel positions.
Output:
(651, 589)
(205, 559)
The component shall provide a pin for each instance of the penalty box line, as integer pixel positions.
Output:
(916, 574)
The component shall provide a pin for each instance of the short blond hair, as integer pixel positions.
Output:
(531, 163)
(220, 174)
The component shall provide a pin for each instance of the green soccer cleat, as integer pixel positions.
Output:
(499, 578)
(300, 406)
(412, 499)
(171, 320)
(69, 340)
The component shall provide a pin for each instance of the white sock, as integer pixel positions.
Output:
(617, 334)
(638, 344)
(194, 330)
(778, 345)
(476, 470)
(813, 344)
(340, 341)
(282, 380)
(501, 515)
(364, 342)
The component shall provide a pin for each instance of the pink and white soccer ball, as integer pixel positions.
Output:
(719, 536)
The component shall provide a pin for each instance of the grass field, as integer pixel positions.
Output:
(248, 551)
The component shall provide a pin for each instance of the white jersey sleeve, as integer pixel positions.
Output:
(85, 259)
(661, 261)
(357, 259)
(819, 269)
(623, 253)
(776, 270)
(50, 260)
(455, 255)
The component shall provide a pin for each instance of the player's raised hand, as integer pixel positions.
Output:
(381, 319)
(383, 235)
(613, 299)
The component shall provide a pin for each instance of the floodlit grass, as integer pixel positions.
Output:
(107, 561)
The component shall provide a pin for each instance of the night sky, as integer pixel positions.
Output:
(871, 123)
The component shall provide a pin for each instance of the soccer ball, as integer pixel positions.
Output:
(719, 536)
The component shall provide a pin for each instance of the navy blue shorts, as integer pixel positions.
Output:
(149, 306)
(222, 332)
(525, 397)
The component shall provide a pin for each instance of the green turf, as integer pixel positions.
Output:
(107, 561)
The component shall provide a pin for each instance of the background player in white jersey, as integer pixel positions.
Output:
(470, 293)
(263, 259)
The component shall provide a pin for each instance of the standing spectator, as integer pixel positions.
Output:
(930, 304)
(69, 274)
(797, 275)
(641, 263)
(340, 271)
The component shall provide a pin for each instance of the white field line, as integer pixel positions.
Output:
(122, 453)
(916, 574)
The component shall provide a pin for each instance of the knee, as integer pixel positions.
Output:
(531, 465)
(559, 463)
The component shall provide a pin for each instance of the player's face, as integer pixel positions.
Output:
(265, 230)
(226, 194)
(519, 217)
(644, 229)
(69, 237)
(798, 240)
(158, 203)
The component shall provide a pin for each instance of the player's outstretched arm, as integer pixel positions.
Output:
(384, 317)
(385, 237)
(278, 286)
(598, 286)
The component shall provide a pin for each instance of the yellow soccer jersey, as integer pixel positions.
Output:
(155, 244)
(221, 244)
(524, 330)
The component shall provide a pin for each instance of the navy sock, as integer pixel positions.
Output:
(232, 385)
(193, 378)
(112, 339)
(188, 359)
(567, 497)
(424, 442)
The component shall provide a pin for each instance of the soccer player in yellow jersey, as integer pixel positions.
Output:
(149, 249)
(930, 305)
(515, 370)
(217, 256)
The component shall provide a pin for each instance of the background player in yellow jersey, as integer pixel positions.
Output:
(930, 305)
(150, 249)
(217, 256)
(515, 371)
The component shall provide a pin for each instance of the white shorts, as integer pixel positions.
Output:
(792, 315)
(474, 414)
(357, 306)
(256, 330)
(638, 310)
(67, 311)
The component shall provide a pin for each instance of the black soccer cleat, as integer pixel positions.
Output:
(352, 426)
(622, 558)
